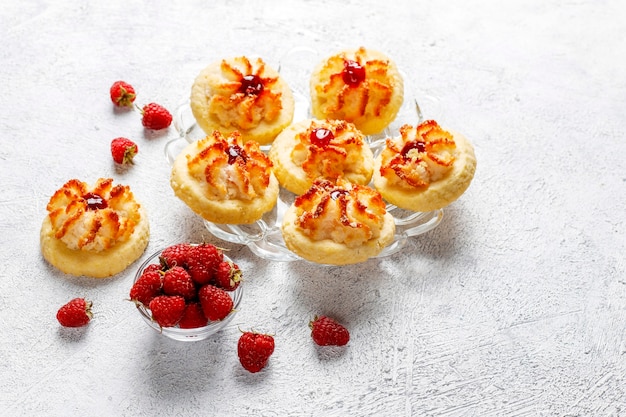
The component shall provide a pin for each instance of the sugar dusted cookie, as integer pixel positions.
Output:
(425, 168)
(312, 149)
(224, 180)
(338, 224)
(96, 231)
(239, 94)
(362, 86)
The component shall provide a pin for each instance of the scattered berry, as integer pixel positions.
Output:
(193, 317)
(216, 303)
(177, 281)
(167, 309)
(123, 150)
(122, 94)
(147, 286)
(327, 332)
(202, 261)
(254, 350)
(175, 255)
(155, 116)
(75, 313)
(227, 276)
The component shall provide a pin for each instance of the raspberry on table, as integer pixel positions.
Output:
(122, 94)
(254, 350)
(155, 117)
(123, 150)
(325, 331)
(75, 313)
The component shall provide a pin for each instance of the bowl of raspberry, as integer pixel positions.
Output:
(187, 291)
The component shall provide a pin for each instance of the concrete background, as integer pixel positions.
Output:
(514, 306)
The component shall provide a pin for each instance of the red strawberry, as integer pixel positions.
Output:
(147, 286)
(123, 150)
(76, 313)
(193, 317)
(227, 276)
(254, 350)
(326, 332)
(216, 303)
(167, 309)
(155, 116)
(202, 261)
(122, 94)
(177, 281)
(175, 255)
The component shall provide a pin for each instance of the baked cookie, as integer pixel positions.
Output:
(243, 95)
(361, 86)
(94, 231)
(224, 180)
(425, 168)
(314, 149)
(338, 223)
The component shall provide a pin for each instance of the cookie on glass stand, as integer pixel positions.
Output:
(362, 86)
(425, 168)
(225, 180)
(244, 95)
(313, 149)
(337, 223)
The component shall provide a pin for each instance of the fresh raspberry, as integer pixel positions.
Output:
(123, 150)
(175, 255)
(155, 116)
(202, 261)
(227, 276)
(177, 281)
(152, 267)
(167, 309)
(76, 313)
(147, 286)
(216, 303)
(254, 350)
(327, 332)
(193, 317)
(122, 94)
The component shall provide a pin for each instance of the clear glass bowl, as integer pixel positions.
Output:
(264, 237)
(186, 335)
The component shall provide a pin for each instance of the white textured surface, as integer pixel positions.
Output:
(514, 306)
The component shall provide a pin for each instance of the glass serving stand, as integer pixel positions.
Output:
(264, 237)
